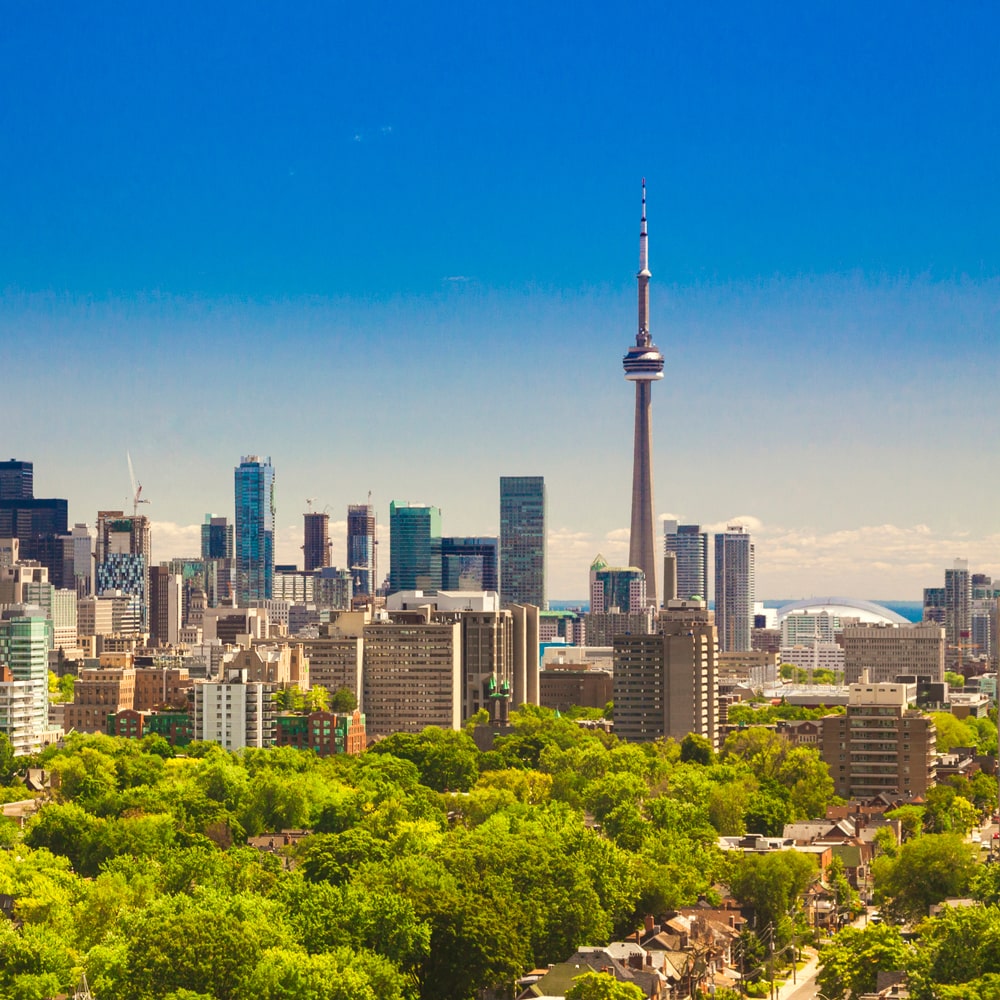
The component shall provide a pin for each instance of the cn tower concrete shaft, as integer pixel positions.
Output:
(641, 549)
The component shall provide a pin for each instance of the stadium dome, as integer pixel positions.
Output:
(843, 607)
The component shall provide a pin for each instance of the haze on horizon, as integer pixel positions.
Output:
(395, 248)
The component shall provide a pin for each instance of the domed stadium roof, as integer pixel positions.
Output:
(843, 607)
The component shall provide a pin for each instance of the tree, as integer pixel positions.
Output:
(911, 820)
(926, 870)
(983, 792)
(70, 831)
(800, 770)
(447, 759)
(850, 964)
(343, 700)
(845, 895)
(289, 699)
(209, 944)
(318, 700)
(767, 812)
(697, 749)
(961, 944)
(771, 883)
(947, 811)
(952, 732)
(7, 764)
(601, 986)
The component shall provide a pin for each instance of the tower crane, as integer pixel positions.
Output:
(136, 487)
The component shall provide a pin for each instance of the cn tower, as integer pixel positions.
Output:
(643, 365)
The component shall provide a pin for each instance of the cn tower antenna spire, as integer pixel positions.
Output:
(642, 338)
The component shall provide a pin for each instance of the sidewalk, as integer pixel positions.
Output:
(801, 976)
(808, 971)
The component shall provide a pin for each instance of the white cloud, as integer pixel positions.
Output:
(873, 561)
(174, 541)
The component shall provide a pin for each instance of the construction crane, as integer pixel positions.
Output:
(136, 487)
(309, 503)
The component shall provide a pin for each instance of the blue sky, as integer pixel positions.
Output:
(394, 248)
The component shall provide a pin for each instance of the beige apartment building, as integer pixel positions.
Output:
(95, 616)
(412, 674)
(890, 651)
(666, 683)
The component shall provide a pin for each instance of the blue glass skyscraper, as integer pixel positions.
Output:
(254, 529)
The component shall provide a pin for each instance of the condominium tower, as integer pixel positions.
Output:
(734, 589)
(315, 541)
(689, 544)
(254, 482)
(124, 554)
(958, 611)
(522, 540)
(361, 547)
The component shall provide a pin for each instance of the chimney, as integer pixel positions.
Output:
(648, 922)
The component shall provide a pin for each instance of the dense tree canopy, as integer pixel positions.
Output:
(431, 868)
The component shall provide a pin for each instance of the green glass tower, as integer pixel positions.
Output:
(414, 547)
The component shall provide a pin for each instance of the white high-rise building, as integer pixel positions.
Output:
(689, 545)
(24, 650)
(235, 713)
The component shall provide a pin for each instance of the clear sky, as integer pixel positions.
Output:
(393, 246)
